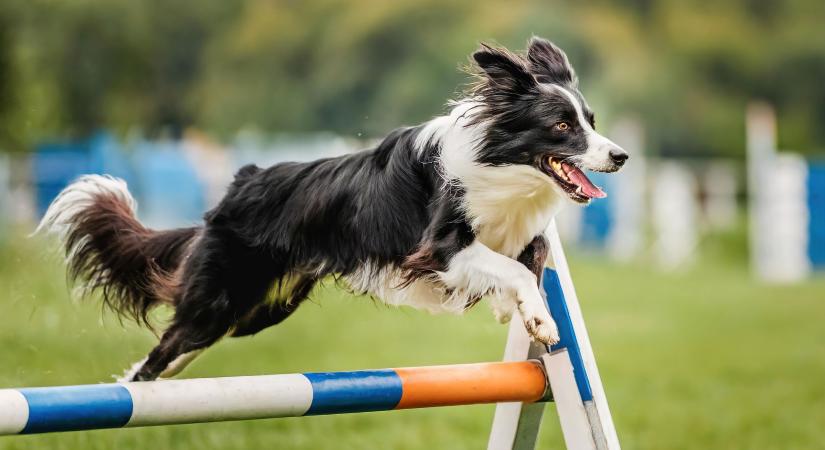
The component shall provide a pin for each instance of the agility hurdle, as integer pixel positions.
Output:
(165, 402)
(565, 373)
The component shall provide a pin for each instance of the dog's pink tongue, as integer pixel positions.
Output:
(585, 186)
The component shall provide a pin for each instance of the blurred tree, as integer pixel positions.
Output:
(363, 67)
(7, 81)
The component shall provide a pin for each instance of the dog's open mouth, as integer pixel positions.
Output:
(572, 180)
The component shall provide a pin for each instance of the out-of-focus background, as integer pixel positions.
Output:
(700, 276)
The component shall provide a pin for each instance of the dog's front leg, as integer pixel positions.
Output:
(477, 270)
(534, 257)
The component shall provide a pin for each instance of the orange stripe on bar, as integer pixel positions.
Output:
(522, 381)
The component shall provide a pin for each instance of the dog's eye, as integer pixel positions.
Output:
(562, 126)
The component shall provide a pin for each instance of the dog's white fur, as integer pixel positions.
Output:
(488, 265)
(77, 197)
(532, 198)
(478, 270)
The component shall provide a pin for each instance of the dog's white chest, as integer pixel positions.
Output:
(509, 233)
(507, 215)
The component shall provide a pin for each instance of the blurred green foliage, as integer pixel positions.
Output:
(687, 68)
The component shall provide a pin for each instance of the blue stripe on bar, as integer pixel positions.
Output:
(345, 392)
(567, 334)
(77, 407)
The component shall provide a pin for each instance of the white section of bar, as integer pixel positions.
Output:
(219, 399)
(575, 425)
(605, 430)
(14, 411)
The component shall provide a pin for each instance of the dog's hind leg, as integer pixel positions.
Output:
(174, 368)
(206, 313)
(266, 315)
(202, 317)
(178, 364)
(189, 336)
(263, 317)
(223, 283)
(180, 342)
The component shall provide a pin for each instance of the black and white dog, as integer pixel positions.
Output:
(435, 217)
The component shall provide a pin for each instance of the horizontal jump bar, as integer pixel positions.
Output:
(95, 406)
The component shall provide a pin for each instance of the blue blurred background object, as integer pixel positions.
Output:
(816, 209)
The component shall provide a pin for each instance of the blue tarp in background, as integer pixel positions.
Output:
(159, 175)
(816, 211)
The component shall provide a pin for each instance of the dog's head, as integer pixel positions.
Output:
(536, 116)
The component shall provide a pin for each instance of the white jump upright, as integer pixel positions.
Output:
(576, 387)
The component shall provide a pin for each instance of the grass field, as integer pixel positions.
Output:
(701, 359)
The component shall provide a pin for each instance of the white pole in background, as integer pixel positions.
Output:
(675, 211)
(626, 237)
(777, 208)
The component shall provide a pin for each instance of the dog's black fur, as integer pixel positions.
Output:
(293, 224)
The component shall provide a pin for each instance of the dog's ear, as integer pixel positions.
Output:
(504, 68)
(548, 63)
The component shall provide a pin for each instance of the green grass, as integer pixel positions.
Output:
(702, 359)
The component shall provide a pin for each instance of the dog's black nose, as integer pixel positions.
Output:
(618, 156)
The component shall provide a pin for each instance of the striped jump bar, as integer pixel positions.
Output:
(86, 407)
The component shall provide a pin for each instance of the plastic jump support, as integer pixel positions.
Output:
(571, 369)
(519, 385)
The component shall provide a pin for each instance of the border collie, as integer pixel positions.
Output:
(436, 217)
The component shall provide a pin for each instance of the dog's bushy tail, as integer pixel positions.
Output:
(108, 250)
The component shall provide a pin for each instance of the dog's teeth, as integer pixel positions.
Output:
(557, 167)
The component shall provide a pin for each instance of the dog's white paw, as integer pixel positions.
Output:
(540, 327)
(503, 316)
(545, 332)
(129, 373)
(502, 308)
